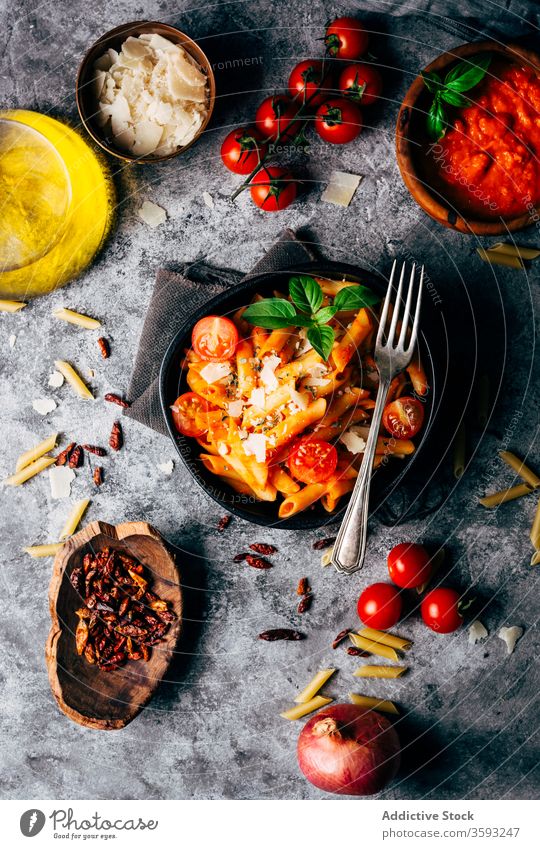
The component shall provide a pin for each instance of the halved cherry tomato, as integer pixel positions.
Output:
(338, 121)
(361, 82)
(442, 610)
(403, 417)
(312, 460)
(214, 338)
(188, 412)
(379, 606)
(409, 565)
(306, 77)
(242, 150)
(273, 189)
(346, 38)
(275, 115)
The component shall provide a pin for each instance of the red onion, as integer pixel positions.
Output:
(346, 749)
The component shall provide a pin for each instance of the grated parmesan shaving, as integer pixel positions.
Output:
(235, 408)
(477, 632)
(267, 375)
(166, 467)
(341, 188)
(56, 379)
(258, 398)
(60, 479)
(43, 406)
(208, 200)
(352, 441)
(510, 636)
(152, 214)
(215, 371)
(12, 339)
(255, 445)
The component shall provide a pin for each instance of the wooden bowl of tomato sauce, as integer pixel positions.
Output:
(483, 175)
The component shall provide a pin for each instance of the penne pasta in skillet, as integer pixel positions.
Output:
(280, 397)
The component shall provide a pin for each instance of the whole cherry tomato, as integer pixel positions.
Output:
(379, 606)
(273, 189)
(361, 82)
(312, 460)
(275, 115)
(403, 417)
(442, 610)
(305, 80)
(346, 38)
(409, 565)
(338, 121)
(188, 412)
(242, 150)
(214, 338)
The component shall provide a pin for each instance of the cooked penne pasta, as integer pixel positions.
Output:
(282, 481)
(77, 318)
(298, 501)
(274, 343)
(371, 703)
(505, 495)
(385, 638)
(11, 306)
(72, 521)
(298, 711)
(374, 647)
(47, 550)
(258, 337)
(330, 499)
(36, 452)
(369, 671)
(245, 368)
(416, 372)
(29, 471)
(74, 379)
(352, 339)
(311, 689)
(522, 470)
(285, 431)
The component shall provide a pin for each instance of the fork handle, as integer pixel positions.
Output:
(350, 545)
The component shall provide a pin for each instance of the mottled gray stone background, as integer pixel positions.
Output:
(214, 730)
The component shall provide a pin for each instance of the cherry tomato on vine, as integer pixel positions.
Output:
(409, 565)
(312, 460)
(379, 606)
(241, 150)
(273, 189)
(361, 82)
(188, 412)
(403, 417)
(338, 121)
(346, 38)
(307, 77)
(214, 338)
(275, 115)
(442, 610)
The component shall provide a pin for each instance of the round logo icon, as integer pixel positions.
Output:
(32, 822)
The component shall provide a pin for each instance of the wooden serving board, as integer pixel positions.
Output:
(86, 694)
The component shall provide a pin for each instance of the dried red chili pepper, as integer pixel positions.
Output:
(303, 587)
(238, 558)
(340, 637)
(324, 543)
(224, 522)
(116, 439)
(113, 398)
(104, 347)
(263, 548)
(281, 634)
(304, 604)
(63, 457)
(356, 652)
(95, 449)
(257, 562)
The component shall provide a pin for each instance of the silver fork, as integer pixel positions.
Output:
(391, 357)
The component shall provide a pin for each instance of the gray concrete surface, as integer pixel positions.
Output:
(214, 731)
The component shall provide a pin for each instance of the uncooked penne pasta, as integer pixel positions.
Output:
(387, 639)
(371, 703)
(535, 559)
(326, 556)
(495, 258)
(11, 306)
(77, 318)
(29, 471)
(72, 521)
(74, 379)
(47, 550)
(515, 250)
(505, 495)
(535, 530)
(522, 470)
(36, 452)
(374, 648)
(311, 689)
(370, 671)
(298, 711)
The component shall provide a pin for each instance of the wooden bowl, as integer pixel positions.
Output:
(411, 141)
(89, 695)
(86, 102)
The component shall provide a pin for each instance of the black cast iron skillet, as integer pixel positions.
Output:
(172, 384)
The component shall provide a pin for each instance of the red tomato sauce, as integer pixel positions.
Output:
(488, 163)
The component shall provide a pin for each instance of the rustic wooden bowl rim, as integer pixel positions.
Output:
(405, 150)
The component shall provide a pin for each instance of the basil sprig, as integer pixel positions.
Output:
(463, 76)
(306, 310)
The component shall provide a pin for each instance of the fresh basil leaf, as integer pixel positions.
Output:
(467, 74)
(432, 81)
(354, 298)
(306, 293)
(436, 120)
(324, 315)
(454, 98)
(272, 313)
(321, 338)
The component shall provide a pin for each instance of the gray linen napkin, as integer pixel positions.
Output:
(176, 296)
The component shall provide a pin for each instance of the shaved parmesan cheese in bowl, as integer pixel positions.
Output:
(145, 91)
